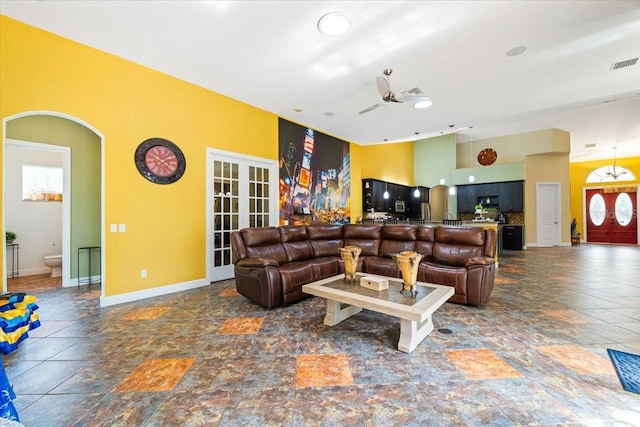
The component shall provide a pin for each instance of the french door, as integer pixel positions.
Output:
(611, 216)
(241, 192)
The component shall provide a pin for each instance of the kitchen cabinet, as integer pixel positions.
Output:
(466, 197)
(373, 195)
(488, 195)
(400, 203)
(487, 190)
(372, 191)
(511, 196)
(505, 196)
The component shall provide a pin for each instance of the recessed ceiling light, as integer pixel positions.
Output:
(423, 104)
(592, 145)
(333, 24)
(516, 51)
(297, 110)
(328, 114)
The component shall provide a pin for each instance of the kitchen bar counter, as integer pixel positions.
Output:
(483, 224)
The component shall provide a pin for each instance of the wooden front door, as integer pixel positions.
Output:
(612, 217)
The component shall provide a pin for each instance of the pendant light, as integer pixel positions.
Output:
(442, 180)
(471, 177)
(385, 195)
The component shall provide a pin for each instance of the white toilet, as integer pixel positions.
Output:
(55, 263)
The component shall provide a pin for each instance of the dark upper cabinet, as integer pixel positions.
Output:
(511, 196)
(372, 191)
(373, 195)
(467, 199)
(401, 200)
(505, 196)
(487, 190)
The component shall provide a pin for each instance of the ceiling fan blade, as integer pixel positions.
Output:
(413, 98)
(413, 92)
(383, 85)
(373, 107)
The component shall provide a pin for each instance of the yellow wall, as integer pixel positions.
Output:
(579, 172)
(388, 162)
(128, 103)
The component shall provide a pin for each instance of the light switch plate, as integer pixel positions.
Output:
(121, 228)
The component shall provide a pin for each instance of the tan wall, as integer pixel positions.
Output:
(547, 168)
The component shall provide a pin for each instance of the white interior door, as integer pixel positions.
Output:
(548, 213)
(241, 192)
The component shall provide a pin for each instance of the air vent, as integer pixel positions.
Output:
(623, 64)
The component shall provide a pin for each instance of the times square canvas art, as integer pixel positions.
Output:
(314, 176)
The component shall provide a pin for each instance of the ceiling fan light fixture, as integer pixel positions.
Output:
(334, 24)
(423, 104)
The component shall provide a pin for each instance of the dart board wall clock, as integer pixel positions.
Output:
(160, 161)
(487, 157)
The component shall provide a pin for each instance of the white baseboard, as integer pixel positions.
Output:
(153, 292)
(31, 271)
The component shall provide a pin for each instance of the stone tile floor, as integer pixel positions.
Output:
(534, 355)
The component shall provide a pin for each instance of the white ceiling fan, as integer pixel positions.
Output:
(613, 173)
(415, 95)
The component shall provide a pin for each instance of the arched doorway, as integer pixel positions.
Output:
(53, 129)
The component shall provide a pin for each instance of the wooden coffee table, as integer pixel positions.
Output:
(344, 300)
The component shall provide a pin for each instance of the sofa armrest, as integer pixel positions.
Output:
(257, 262)
(479, 261)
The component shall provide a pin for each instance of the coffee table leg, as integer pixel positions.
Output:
(412, 334)
(336, 313)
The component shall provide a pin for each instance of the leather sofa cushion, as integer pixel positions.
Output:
(381, 266)
(323, 248)
(444, 275)
(293, 233)
(326, 239)
(365, 236)
(298, 251)
(325, 267)
(296, 274)
(455, 245)
(324, 231)
(264, 243)
(296, 243)
(397, 239)
(424, 241)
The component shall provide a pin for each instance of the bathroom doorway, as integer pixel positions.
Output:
(48, 130)
(40, 215)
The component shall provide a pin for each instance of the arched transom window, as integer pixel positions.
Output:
(611, 174)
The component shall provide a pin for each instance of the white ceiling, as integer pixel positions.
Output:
(269, 54)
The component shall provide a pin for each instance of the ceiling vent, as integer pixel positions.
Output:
(623, 64)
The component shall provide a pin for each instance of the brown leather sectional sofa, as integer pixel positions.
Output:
(272, 263)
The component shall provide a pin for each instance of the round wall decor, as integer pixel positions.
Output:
(160, 161)
(487, 156)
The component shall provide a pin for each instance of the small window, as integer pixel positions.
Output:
(41, 183)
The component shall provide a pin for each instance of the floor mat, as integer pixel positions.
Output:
(628, 368)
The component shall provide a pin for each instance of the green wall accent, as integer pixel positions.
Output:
(85, 172)
(494, 173)
(434, 158)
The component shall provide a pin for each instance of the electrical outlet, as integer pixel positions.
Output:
(143, 274)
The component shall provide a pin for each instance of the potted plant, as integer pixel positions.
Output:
(10, 236)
